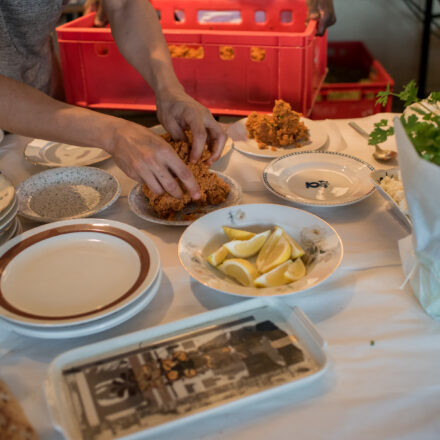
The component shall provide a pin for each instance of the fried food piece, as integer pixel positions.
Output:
(13, 422)
(283, 128)
(184, 51)
(213, 189)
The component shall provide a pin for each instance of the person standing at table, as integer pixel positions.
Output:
(30, 80)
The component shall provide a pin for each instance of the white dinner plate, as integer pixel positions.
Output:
(7, 195)
(67, 193)
(55, 154)
(319, 178)
(93, 327)
(321, 242)
(139, 205)
(158, 129)
(377, 176)
(241, 141)
(71, 272)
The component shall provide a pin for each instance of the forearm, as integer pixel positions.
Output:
(29, 112)
(138, 35)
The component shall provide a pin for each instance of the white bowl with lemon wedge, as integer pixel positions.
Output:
(260, 250)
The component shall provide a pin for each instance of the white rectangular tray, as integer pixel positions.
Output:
(126, 387)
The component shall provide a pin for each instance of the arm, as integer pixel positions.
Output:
(141, 154)
(139, 37)
(324, 12)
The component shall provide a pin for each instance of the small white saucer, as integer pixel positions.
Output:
(319, 178)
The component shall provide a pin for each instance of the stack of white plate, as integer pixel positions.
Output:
(9, 223)
(76, 277)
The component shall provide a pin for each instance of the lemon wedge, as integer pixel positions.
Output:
(295, 271)
(297, 250)
(218, 256)
(237, 234)
(247, 248)
(240, 270)
(275, 251)
(275, 277)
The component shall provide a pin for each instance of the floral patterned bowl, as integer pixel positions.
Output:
(322, 244)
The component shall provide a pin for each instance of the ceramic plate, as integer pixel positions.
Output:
(87, 329)
(54, 154)
(319, 178)
(7, 195)
(67, 193)
(377, 176)
(13, 229)
(139, 205)
(9, 215)
(205, 235)
(158, 129)
(73, 272)
(239, 135)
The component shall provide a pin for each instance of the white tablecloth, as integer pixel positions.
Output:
(386, 390)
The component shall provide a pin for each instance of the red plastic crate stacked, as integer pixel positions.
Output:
(352, 99)
(294, 65)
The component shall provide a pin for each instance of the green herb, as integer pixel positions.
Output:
(372, 342)
(423, 131)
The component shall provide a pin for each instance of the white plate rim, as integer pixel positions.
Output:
(280, 151)
(289, 198)
(23, 202)
(32, 159)
(269, 291)
(93, 327)
(148, 279)
(235, 187)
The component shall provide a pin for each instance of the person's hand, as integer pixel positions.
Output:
(178, 112)
(324, 12)
(100, 17)
(147, 158)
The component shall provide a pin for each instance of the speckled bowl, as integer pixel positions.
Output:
(66, 193)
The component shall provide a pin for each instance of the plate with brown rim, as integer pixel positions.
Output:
(75, 271)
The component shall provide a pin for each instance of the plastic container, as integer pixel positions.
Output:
(234, 68)
(140, 384)
(362, 78)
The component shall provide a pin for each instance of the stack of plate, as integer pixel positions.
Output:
(9, 222)
(76, 277)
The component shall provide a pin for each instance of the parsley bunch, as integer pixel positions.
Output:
(423, 131)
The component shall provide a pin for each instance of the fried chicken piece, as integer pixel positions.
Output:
(283, 128)
(212, 188)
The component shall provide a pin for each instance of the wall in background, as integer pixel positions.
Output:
(392, 34)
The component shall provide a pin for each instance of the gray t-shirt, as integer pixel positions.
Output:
(26, 52)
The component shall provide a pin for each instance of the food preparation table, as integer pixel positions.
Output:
(384, 351)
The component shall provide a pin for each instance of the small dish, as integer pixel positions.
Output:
(72, 272)
(7, 195)
(139, 205)
(322, 244)
(241, 141)
(319, 178)
(67, 193)
(55, 154)
(377, 177)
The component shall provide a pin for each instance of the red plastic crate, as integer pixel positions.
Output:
(352, 99)
(97, 76)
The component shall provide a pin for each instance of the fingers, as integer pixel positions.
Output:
(100, 17)
(199, 138)
(185, 175)
(174, 129)
(313, 13)
(218, 139)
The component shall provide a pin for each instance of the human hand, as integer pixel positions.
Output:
(177, 112)
(100, 17)
(324, 12)
(147, 158)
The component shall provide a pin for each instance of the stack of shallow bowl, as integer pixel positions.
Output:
(9, 223)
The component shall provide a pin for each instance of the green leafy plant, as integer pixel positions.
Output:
(422, 128)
